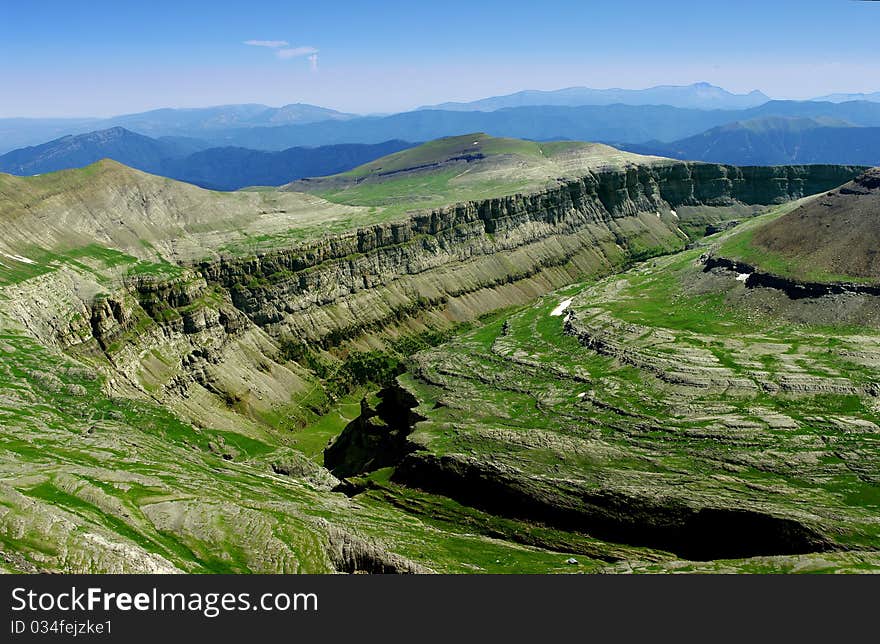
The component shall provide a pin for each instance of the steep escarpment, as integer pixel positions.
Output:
(718, 184)
(214, 328)
(375, 277)
(209, 336)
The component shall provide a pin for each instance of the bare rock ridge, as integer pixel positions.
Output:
(794, 289)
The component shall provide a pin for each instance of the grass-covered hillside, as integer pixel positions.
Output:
(107, 205)
(462, 168)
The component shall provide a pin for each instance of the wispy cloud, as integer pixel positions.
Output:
(295, 52)
(272, 44)
(284, 51)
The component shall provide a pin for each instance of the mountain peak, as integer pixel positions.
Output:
(76, 151)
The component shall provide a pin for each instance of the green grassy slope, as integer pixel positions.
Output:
(95, 483)
(153, 218)
(462, 168)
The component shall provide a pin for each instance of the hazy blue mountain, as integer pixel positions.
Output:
(698, 95)
(19, 132)
(258, 129)
(116, 143)
(843, 98)
(775, 141)
(187, 122)
(185, 159)
(602, 123)
(231, 168)
(865, 113)
(198, 121)
(588, 123)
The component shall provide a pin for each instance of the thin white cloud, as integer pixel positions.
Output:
(284, 51)
(272, 44)
(295, 52)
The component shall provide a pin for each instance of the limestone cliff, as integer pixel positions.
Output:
(375, 276)
(214, 326)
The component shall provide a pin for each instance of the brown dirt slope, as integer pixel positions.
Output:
(838, 233)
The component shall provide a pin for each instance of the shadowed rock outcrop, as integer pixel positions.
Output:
(699, 533)
(377, 438)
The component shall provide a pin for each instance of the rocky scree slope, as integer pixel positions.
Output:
(838, 233)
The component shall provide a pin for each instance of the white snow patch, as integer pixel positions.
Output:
(742, 277)
(658, 214)
(673, 213)
(582, 394)
(564, 304)
(18, 258)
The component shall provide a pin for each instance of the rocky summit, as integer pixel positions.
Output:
(475, 355)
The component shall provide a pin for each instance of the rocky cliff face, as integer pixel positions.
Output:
(443, 255)
(689, 184)
(329, 287)
(217, 323)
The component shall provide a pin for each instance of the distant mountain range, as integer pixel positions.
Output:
(765, 140)
(775, 141)
(192, 122)
(600, 123)
(664, 113)
(844, 98)
(679, 121)
(697, 96)
(231, 168)
(191, 160)
(187, 122)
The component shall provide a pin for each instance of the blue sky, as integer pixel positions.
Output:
(101, 58)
